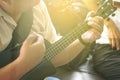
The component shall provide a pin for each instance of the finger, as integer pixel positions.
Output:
(118, 44)
(39, 41)
(110, 41)
(91, 14)
(97, 19)
(90, 35)
(113, 43)
(96, 26)
(30, 39)
(97, 34)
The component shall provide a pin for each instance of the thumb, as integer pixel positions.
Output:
(30, 39)
(91, 14)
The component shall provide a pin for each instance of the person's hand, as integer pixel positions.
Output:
(32, 50)
(114, 35)
(114, 38)
(96, 23)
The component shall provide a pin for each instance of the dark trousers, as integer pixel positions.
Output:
(107, 61)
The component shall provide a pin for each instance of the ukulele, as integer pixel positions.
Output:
(40, 72)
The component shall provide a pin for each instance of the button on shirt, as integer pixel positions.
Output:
(7, 25)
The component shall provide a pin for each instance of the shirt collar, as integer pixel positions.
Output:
(7, 17)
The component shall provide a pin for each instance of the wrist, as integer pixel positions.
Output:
(83, 42)
(22, 67)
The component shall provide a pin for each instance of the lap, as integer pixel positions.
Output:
(107, 62)
(83, 72)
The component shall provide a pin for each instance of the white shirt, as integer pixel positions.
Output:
(41, 24)
(7, 25)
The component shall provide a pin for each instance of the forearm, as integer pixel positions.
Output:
(15, 70)
(68, 54)
(89, 36)
(9, 72)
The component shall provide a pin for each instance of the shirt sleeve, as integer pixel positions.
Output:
(42, 23)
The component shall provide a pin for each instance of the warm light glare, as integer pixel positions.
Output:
(66, 14)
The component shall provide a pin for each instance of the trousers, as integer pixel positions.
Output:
(106, 61)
